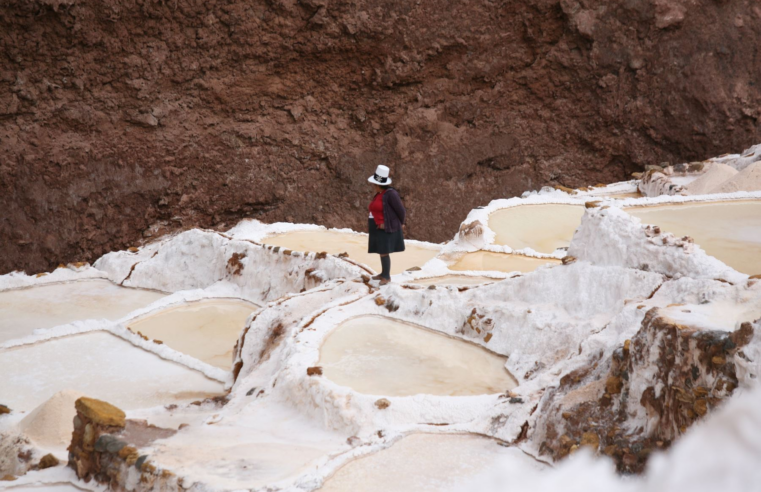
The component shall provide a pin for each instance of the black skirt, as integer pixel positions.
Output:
(383, 242)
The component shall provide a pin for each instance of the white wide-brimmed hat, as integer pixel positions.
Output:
(380, 177)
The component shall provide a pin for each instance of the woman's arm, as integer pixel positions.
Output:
(395, 202)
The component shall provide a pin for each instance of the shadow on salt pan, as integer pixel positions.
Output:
(101, 366)
(425, 462)
(543, 228)
(729, 231)
(45, 306)
(486, 261)
(455, 280)
(206, 330)
(382, 356)
(355, 245)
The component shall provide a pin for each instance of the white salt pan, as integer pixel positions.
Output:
(206, 330)
(423, 463)
(101, 366)
(486, 261)
(543, 228)
(381, 356)
(25, 310)
(355, 245)
(729, 231)
(266, 443)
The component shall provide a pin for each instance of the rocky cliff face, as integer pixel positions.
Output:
(121, 119)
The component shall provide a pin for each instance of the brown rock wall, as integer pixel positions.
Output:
(121, 119)
(646, 395)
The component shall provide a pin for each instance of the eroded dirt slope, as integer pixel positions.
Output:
(123, 118)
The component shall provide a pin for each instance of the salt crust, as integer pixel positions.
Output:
(711, 179)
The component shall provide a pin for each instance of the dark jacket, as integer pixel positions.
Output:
(393, 211)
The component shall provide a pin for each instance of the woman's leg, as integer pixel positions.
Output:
(386, 267)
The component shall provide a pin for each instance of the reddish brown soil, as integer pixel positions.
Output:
(120, 119)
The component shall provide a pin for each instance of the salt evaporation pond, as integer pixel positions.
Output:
(99, 365)
(543, 228)
(424, 463)
(382, 356)
(729, 231)
(455, 280)
(486, 261)
(45, 306)
(264, 443)
(206, 330)
(355, 245)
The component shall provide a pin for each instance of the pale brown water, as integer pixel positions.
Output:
(487, 261)
(455, 280)
(424, 463)
(730, 231)
(24, 310)
(543, 228)
(206, 330)
(101, 366)
(382, 356)
(353, 244)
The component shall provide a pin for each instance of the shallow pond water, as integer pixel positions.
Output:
(206, 330)
(45, 306)
(424, 463)
(99, 365)
(355, 245)
(455, 280)
(543, 228)
(486, 261)
(382, 356)
(729, 231)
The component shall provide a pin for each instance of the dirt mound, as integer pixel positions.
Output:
(51, 424)
(749, 179)
(711, 179)
(125, 118)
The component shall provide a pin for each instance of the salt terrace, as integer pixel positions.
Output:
(266, 358)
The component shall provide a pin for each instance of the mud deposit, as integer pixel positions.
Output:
(124, 118)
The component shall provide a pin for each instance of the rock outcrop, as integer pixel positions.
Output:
(122, 119)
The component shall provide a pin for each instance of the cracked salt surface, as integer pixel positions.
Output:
(543, 228)
(729, 231)
(206, 330)
(486, 261)
(425, 462)
(24, 310)
(382, 356)
(355, 244)
(101, 366)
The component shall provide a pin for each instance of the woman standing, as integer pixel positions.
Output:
(385, 223)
